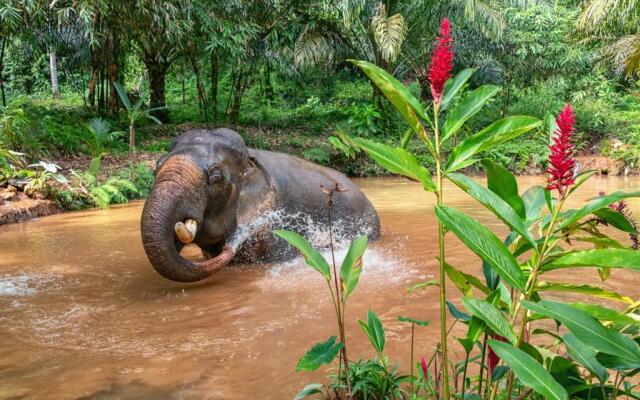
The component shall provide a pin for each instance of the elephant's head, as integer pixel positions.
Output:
(195, 198)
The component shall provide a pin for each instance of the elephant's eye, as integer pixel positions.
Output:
(215, 175)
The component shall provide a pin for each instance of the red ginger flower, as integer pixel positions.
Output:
(492, 358)
(423, 366)
(441, 60)
(562, 163)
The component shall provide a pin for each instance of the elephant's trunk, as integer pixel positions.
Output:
(179, 194)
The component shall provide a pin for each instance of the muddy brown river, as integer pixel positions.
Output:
(84, 315)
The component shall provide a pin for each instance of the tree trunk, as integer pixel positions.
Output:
(236, 102)
(214, 85)
(132, 137)
(53, 66)
(95, 66)
(202, 104)
(2, 47)
(157, 82)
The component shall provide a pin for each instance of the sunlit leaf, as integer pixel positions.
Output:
(467, 108)
(493, 203)
(504, 184)
(453, 86)
(352, 266)
(491, 316)
(374, 331)
(582, 289)
(311, 256)
(413, 321)
(603, 258)
(484, 243)
(398, 161)
(312, 388)
(493, 135)
(573, 216)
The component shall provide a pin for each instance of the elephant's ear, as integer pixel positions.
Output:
(251, 167)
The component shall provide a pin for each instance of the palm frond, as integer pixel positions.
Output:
(388, 32)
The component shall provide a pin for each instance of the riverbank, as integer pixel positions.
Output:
(73, 182)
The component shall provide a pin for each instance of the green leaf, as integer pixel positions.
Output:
(413, 321)
(320, 353)
(601, 258)
(458, 280)
(422, 285)
(493, 203)
(491, 316)
(375, 332)
(467, 108)
(616, 219)
(582, 289)
(529, 371)
(398, 161)
(497, 133)
(352, 266)
(484, 243)
(594, 205)
(617, 363)
(533, 202)
(504, 184)
(397, 94)
(457, 314)
(311, 256)
(587, 329)
(606, 314)
(122, 94)
(453, 86)
(585, 356)
(313, 388)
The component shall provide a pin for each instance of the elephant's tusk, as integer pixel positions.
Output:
(186, 231)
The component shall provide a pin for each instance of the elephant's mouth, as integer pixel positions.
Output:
(211, 258)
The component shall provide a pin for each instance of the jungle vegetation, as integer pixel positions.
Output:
(278, 72)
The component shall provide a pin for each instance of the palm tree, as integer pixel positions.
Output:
(616, 24)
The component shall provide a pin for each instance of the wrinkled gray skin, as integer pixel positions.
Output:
(210, 176)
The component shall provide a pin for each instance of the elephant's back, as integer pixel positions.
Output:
(299, 184)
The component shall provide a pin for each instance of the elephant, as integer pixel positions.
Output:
(210, 185)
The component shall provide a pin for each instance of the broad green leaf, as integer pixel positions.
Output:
(587, 329)
(484, 243)
(313, 388)
(617, 363)
(476, 328)
(497, 133)
(375, 332)
(457, 314)
(397, 94)
(467, 108)
(594, 205)
(585, 356)
(606, 314)
(491, 316)
(493, 203)
(504, 184)
(458, 280)
(453, 86)
(413, 321)
(533, 202)
(398, 161)
(406, 138)
(602, 258)
(311, 256)
(352, 266)
(615, 219)
(582, 289)
(529, 371)
(321, 353)
(122, 94)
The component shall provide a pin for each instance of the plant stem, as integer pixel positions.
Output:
(482, 367)
(338, 300)
(441, 254)
(413, 326)
(532, 282)
(464, 374)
